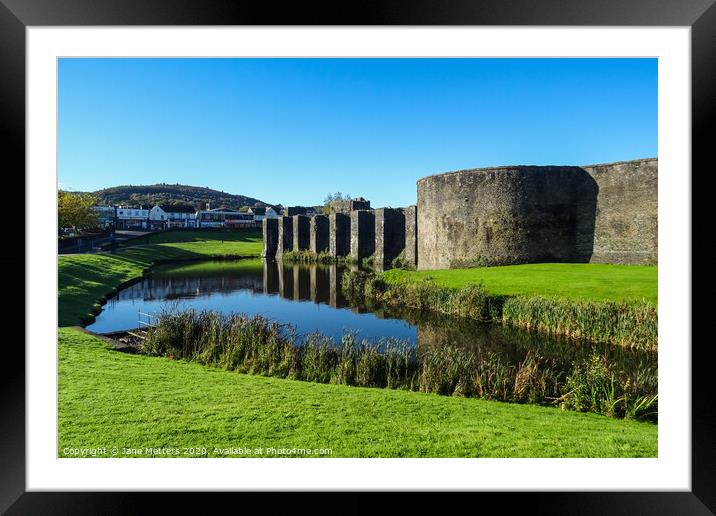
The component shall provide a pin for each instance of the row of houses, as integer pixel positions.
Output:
(179, 216)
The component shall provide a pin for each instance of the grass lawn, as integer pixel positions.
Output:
(84, 278)
(193, 235)
(591, 281)
(209, 268)
(111, 399)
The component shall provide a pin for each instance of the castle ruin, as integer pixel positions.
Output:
(499, 216)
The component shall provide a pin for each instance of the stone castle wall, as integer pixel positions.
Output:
(626, 223)
(347, 206)
(362, 234)
(508, 215)
(495, 216)
(389, 236)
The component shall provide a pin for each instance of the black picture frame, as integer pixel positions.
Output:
(16, 15)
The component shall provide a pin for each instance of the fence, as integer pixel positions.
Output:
(148, 323)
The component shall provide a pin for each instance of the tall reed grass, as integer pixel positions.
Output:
(305, 256)
(258, 345)
(596, 385)
(625, 324)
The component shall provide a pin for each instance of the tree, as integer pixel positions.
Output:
(75, 210)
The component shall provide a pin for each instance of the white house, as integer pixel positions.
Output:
(260, 214)
(172, 216)
(128, 218)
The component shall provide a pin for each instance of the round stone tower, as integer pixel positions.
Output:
(530, 214)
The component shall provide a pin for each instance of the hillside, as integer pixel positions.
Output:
(149, 195)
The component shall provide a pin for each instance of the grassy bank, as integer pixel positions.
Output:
(623, 314)
(584, 281)
(193, 235)
(208, 269)
(85, 280)
(256, 345)
(140, 401)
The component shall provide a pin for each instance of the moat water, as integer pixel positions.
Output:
(309, 299)
(306, 296)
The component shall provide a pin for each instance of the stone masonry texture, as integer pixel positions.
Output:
(389, 235)
(348, 206)
(285, 235)
(362, 234)
(411, 235)
(318, 234)
(269, 228)
(339, 234)
(508, 215)
(301, 228)
(626, 221)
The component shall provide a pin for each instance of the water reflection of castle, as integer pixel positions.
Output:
(317, 283)
(322, 284)
(313, 283)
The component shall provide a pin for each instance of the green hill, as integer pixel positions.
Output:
(198, 197)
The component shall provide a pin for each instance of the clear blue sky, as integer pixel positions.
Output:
(291, 130)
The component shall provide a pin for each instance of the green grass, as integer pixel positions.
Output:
(85, 279)
(616, 320)
(115, 400)
(257, 345)
(587, 281)
(207, 269)
(192, 235)
(109, 399)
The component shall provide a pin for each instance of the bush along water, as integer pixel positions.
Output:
(400, 262)
(626, 324)
(309, 257)
(596, 385)
(257, 345)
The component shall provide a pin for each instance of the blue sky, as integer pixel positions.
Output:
(290, 131)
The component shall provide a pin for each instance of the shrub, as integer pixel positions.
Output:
(305, 256)
(399, 262)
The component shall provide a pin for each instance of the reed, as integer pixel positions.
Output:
(594, 382)
(306, 256)
(626, 324)
(319, 358)
(489, 375)
(596, 385)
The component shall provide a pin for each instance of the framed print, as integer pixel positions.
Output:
(401, 248)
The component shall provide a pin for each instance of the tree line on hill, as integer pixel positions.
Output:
(166, 194)
(75, 208)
